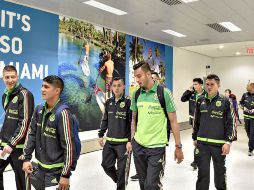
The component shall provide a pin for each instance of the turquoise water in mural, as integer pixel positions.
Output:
(79, 88)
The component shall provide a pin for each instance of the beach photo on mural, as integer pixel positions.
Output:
(89, 56)
(138, 49)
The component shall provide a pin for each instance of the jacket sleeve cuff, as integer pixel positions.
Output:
(66, 176)
(10, 145)
(194, 137)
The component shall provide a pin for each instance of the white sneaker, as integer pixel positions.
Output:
(250, 153)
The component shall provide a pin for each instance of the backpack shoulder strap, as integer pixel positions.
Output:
(137, 94)
(58, 111)
(160, 94)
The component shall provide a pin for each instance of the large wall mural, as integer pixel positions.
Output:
(85, 55)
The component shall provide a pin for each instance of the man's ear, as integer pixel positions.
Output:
(58, 90)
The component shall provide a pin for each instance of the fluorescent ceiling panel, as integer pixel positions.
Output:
(104, 7)
(230, 26)
(174, 33)
(189, 1)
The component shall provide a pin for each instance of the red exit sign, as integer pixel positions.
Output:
(250, 50)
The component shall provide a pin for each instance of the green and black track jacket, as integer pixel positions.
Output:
(53, 143)
(117, 120)
(18, 106)
(214, 121)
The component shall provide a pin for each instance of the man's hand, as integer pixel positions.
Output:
(179, 155)
(27, 167)
(225, 149)
(129, 147)
(195, 143)
(100, 140)
(7, 150)
(64, 183)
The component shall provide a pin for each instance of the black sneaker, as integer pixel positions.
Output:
(134, 177)
(194, 165)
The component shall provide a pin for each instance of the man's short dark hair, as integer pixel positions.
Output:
(117, 79)
(213, 77)
(228, 90)
(155, 73)
(56, 81)
(143, 65)
(10, 68)
(198, 80)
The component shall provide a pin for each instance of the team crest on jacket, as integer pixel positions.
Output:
(218, 103)
(122, 104)
(15, 99)
(52, 117)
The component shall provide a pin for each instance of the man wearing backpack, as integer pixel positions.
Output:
(116, 120)
(51, 135)
(214, 130)
(155, 77)
(191, 95)
(149, 129)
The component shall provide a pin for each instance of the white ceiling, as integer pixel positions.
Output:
(146, 18)
(229, 49)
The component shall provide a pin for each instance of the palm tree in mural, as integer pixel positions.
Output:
(71, 25)
(136, 50)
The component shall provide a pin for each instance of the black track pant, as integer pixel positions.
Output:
(249, 127)
(149, 165)
(41, 179)
(205, 153)
(194, 153)
(112, 153)
(16, 165)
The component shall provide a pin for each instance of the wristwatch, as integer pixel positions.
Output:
(179, 146)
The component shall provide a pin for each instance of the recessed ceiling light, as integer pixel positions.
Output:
(105, 7)
(230, 26)
(172, 32)
(189, 1)
(237, 53)
(221, 46)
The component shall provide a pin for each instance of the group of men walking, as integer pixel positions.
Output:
(140, 125)
(211, 115)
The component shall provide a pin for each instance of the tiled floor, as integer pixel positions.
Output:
(90, 175)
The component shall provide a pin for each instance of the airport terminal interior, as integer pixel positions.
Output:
(179, 39)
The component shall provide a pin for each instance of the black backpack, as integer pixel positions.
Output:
(160, 94)
(77, 141)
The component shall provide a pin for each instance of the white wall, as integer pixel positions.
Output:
(234, 73)
(186, 66)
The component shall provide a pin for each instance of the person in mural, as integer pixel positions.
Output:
(149, 133)
(191, 95)
(109, 66)
(18, 105)
(84, 64)
(247, 105)
(151, 62)
(52, 139)
(214, 130)
(116, 120)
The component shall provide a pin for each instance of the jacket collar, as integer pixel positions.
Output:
(15, 90)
